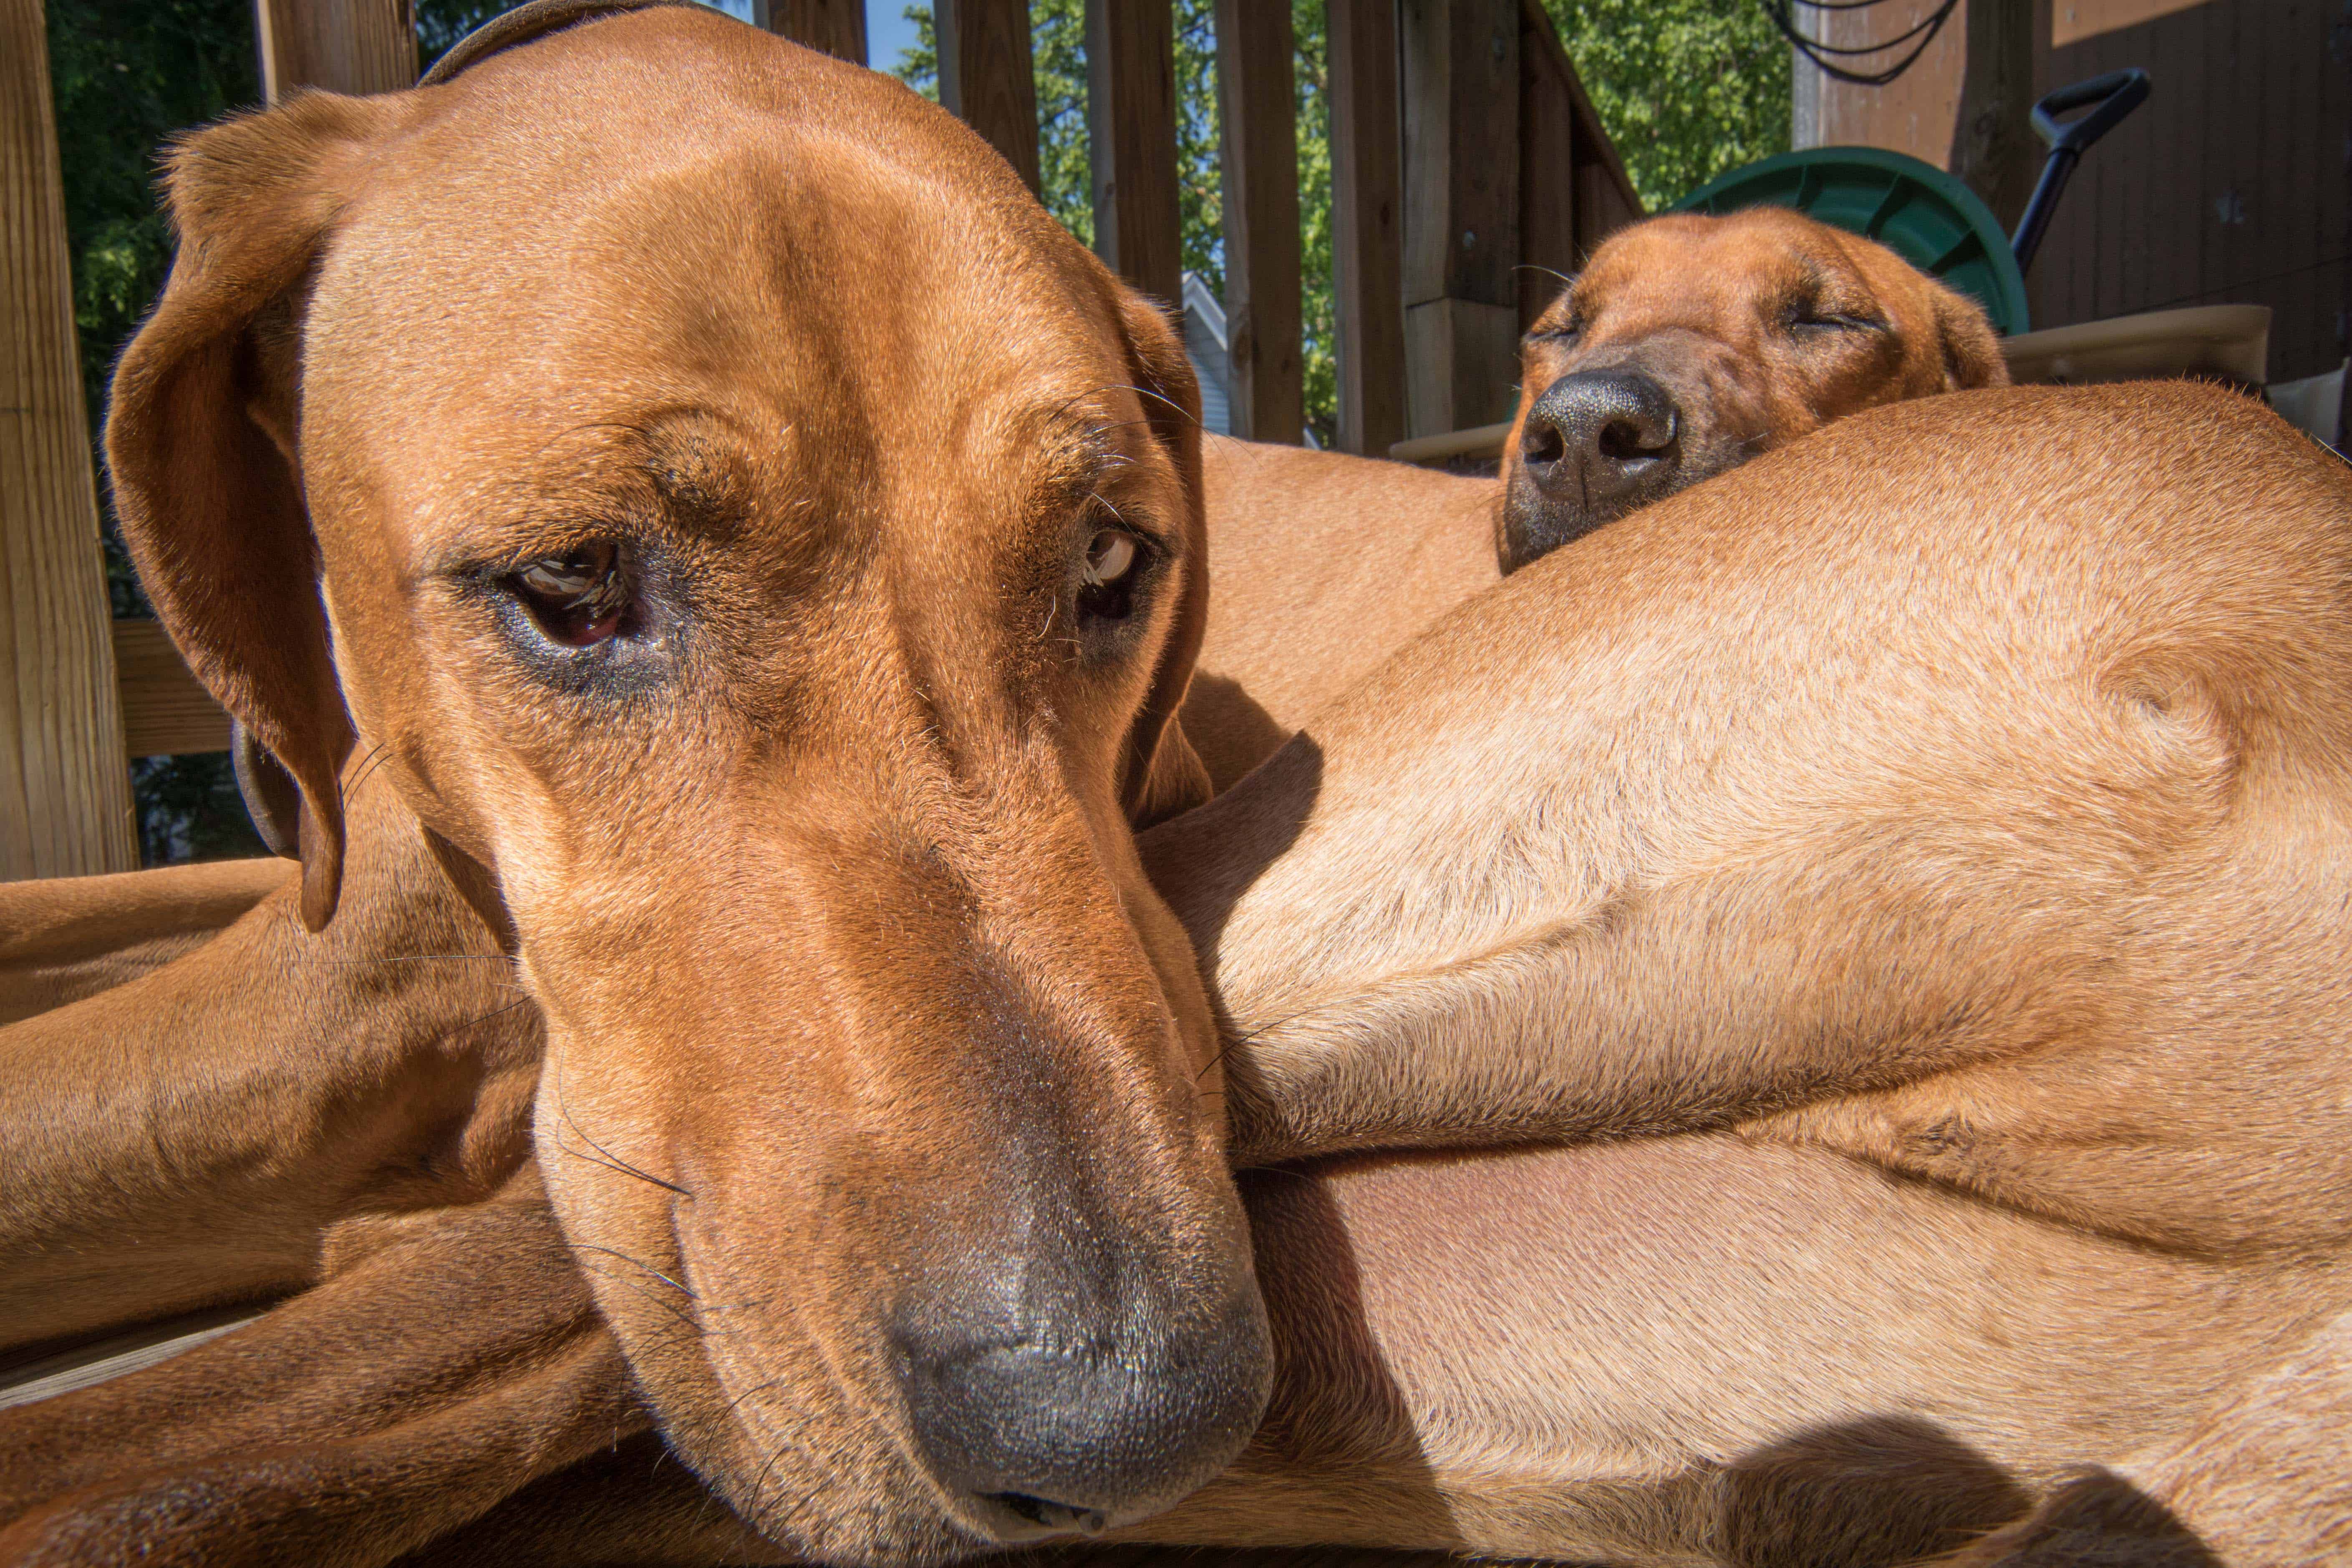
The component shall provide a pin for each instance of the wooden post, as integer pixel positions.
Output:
(65, 795)
(1994, 148)
(1131, 135)
(1917, 113)
(986, 77)
(837, 27)
(344, 46)
(1548, 182)
(1573, 190)
(1462, 212)
(1367, 256)
(1262, 246)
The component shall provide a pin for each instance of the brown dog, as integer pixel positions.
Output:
(763, 551)
(1688, 345)
(1324, 566)
(2034, 819)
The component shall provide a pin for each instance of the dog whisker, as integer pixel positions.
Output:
(686, 1290)
(611, 1160)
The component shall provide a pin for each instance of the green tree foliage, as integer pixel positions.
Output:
(1686, 88)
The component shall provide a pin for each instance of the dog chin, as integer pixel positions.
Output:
(855, 1509)
(1533, 529)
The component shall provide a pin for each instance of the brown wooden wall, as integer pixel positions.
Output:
(2228, 185)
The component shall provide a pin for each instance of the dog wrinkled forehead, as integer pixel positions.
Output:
(535, 19)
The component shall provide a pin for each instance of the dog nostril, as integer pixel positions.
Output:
(1543, 443)
(1053, 1515)
(1623, 442)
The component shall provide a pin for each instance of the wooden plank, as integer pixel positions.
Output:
(1461, 149)
(65, 795)
(1260, 131)
(2077, 20)
(165, 710)
(987, 77)
(1367, 257)
(1131, 138)
(1461, 81)
(344, 46)
(2180, 127)
(1466, 355)
(2233, 256)
(836, 27)
(1914, 114)
(2300, 149)
(1605, 200)
(2214, 192)
(1547, 238)
(1994, 148)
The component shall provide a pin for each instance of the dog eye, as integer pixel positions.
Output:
(1818, 317)
(579, 598)
(1106, 575)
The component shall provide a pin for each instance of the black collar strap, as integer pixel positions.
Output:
(534, 19)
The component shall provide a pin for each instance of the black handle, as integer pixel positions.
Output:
(2117, 93)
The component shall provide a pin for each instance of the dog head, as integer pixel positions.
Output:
(1689, 345)
(765, 554)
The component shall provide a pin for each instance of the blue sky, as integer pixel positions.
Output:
(887, 31)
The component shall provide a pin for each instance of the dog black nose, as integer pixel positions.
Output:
(1601, 435)
(1596, 445)
(1057, 1417)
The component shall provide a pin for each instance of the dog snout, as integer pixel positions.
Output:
(1596, 445)
(1067, 1410)
(1601, 435)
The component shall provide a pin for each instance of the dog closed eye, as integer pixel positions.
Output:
(1815, 315)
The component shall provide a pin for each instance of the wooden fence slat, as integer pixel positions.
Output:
(344, 46)
(1602, 198)
(1131, 132)
(837, 27)
(1367, 197)
(986, 77)
(1260, 125)
(165, 709)
(1548, 229)
(65, 796)
(1461, 94)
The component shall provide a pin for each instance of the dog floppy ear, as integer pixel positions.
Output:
(201, 438)
(1162, 775)
(1972, 351)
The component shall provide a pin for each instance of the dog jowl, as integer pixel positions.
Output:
(765, 554)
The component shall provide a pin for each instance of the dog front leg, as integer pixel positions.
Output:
(456, 1362)
(65, 938)
(186, 1138)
